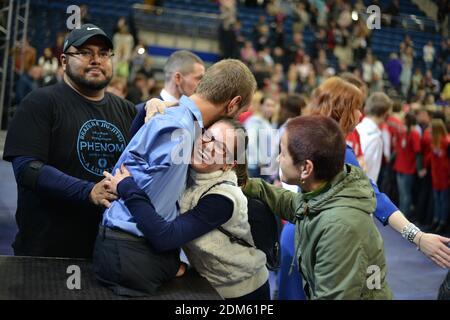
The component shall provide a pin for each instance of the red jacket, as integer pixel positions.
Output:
(354, 141)
(244, 116)
(395, 127)
(406, 150)
(440, 172)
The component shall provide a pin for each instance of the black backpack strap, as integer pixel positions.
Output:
(216, 184)
(232, 237)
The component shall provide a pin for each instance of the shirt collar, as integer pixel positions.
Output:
(186, 101)
(369, 123)
(166, 96)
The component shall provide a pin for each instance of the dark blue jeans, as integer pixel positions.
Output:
(441, 206)
(405, 185)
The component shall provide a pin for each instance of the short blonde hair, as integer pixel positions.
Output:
(181, 61)
(378, 104)
(225, 80)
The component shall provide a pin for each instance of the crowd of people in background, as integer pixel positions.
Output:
(414, 130)
(402, 144)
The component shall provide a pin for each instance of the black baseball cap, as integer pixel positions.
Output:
(79, 36)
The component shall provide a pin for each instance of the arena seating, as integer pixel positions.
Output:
(48, 16)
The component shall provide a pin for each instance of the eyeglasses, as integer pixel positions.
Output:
(207, 137)
(89, 55)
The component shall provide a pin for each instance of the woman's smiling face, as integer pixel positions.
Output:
(212, 149)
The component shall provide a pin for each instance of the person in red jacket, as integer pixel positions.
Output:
(407, 150)
(390, 129)
(354, 141)
(394, 124)
(440, 173)
(424, 205)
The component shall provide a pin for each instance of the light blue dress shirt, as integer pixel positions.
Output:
(158, 158)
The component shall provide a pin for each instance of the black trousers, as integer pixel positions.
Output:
(129, 266)
(444, 290)
(424, 207)
(387, 182)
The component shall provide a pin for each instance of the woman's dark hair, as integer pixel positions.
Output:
(239, 153)
(294, 104)
(410, 120)
(291, 106)
(320, 140)
(397, 106)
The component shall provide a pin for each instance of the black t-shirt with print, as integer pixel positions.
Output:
(79, 137)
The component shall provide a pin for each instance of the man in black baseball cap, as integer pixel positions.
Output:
(77, 37)
(64, 136)
(86, 59)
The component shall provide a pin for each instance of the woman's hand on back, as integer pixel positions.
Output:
(113, 180)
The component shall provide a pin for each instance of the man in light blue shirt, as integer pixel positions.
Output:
(153, 155)
(158, 158)
(150, 158)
